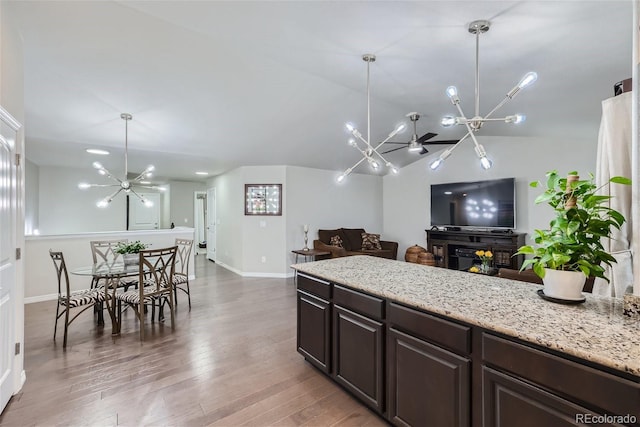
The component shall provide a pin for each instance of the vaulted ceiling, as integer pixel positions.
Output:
(213, 85)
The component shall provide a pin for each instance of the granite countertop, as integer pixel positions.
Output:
(595, 330)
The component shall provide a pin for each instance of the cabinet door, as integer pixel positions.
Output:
(508, 401)
(428, 386)
(358, 356)
(314, 317)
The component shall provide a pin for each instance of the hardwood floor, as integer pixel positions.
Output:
(231, 361)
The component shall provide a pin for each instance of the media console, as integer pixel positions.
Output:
(455, 249)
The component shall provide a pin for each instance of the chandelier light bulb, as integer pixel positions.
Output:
(528, 79)
(452, 91)
(352, 142)
(84, 186)
(436, 163)
(485, 163)
(103, 203)
(374, 165)
(97, 165)
(516, 118)
(340, 178)
(397, 130)
(394, 170)
(448, 121)
(147, 203)
(350, 127)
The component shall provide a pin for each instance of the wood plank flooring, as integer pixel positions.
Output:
(231, 361)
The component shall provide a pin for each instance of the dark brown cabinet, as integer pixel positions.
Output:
(509, 401)
(428, 386)
(358, 356)
(418, 368)
(314, 322)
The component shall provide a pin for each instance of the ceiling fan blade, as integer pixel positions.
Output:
(426, 137)
(423, 151)
(395, 149)
(444, 141)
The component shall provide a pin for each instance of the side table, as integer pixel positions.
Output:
(313, 253)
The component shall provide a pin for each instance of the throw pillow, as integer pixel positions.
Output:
(370, 241)
(335, 241)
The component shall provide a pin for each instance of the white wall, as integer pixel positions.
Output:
(314, 198)
(57, 206)
(65, 209)
(407, 195)
(32, 195)
(310, 196)
(181, 202)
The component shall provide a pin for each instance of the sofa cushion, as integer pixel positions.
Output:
(336, 241)
(352, 240)
(325, 235)
(370, 241)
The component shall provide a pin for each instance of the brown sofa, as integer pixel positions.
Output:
(352, 244)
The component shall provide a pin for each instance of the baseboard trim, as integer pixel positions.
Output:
(40, 298)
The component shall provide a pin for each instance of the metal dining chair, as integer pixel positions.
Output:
(104, 251)
(181, 275)
(157, 268)
(67, 300)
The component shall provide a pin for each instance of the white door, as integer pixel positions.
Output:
(8, 208)
(200, 219)
(143, 217)
(211, 224)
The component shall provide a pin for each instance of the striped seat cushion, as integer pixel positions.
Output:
(83, 297)
(179, 279)
(133, 296)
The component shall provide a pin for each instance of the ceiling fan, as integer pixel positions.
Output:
(417, 145)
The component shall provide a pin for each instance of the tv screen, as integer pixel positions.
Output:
(479, 204)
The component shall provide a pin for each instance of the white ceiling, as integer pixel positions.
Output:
(213, 85)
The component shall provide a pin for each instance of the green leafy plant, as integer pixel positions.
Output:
(130, 248)
(582, 219)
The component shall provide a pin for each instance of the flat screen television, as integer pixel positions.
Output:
(480, 204)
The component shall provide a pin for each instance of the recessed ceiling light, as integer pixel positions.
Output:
(202, 173)
(97, 151)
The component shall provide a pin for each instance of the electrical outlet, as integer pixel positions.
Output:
(263, 259)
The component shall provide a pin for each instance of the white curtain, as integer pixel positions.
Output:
(614, 159)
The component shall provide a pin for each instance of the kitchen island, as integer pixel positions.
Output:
(429, 346)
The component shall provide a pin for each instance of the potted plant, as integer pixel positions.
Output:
(571, 249)
(130, 251)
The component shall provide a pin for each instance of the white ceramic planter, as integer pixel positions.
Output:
(131, 259)
(562, 284)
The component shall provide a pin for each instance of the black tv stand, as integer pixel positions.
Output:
(501, 231)
(446, 247)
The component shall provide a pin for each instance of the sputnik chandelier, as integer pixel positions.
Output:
(369, 152)
(476, 122)
(124, 184)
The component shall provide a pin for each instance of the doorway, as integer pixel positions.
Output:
(211, 224)
(200, 221)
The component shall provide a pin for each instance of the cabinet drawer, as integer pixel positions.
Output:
(359, 302)
(314, 286)
(431, 328)
(596, 388)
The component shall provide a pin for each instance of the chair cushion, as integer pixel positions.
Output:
(83, 297)
(370, 241)
(133, 296)
(353, 238)
(178, 279)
